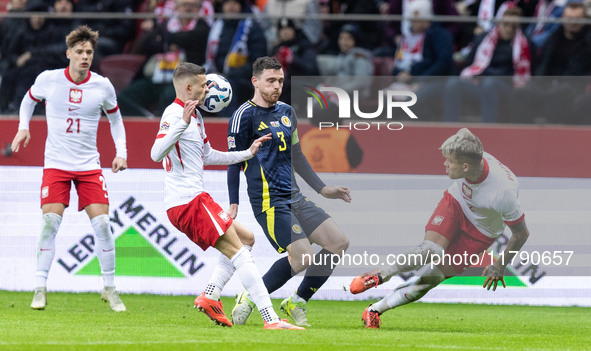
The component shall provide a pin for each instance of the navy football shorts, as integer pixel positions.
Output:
(284, 224)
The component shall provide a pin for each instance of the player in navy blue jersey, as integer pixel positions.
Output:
(290, 221)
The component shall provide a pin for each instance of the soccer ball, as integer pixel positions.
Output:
(219, 95)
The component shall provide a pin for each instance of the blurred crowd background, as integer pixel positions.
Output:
(521, 61)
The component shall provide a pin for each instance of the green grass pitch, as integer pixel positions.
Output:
(84, 322)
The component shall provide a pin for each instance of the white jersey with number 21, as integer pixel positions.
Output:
(73, 111)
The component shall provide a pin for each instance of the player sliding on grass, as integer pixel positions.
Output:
(183, 147)
(472, 214)
(74, 98)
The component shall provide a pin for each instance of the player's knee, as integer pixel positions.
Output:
(246, 237)
(428, 249)
(50, 223)
(341, 246)
(431, 279)
(301, 260)
(338, 245)
(101, 226)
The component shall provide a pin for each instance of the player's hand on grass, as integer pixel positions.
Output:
(336, 192)
(189, 110)
(119, 164)
(233, 211)
(21, 135)
(254, 148)
(493, 275)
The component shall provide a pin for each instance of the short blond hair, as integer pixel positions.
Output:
(463, 146)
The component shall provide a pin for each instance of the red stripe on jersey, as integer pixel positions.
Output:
(113, 110)
(178, 101)
(517, 221)
(32, 97)
(162, 135)
(482, 176)
(178, 150)
(67, 72)
(206, 140)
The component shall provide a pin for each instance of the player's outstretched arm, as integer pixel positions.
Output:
(215, 157)
(25, 113)
(495, 272)
(21, 135)
(336, 192)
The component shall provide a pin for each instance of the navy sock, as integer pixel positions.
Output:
(279, 273)
(316, 275)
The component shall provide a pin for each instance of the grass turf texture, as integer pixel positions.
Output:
(84, 322)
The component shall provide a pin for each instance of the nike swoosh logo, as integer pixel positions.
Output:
(45, 249)
(108, 250)
(73, 108)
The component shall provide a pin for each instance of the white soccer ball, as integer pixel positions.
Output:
(219, 95)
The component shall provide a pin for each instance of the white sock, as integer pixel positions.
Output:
(416, 258)
(296, 298)
(412, 290)
(222, 273)
(105, 248)
(252, 281)
(50, 223)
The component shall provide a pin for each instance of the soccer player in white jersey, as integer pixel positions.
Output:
(74, 98)
(182, 146)
(473, 212)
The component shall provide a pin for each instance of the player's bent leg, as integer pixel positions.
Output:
(222, 273)
(105, 252)
(416, 287)
(330, 237)
(321, 265)
(433, 245)
(301, 255)
(416, 257)
(50, 223)
(229, 244)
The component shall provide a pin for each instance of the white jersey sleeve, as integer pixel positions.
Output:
(35, 94)
(509, 207)
(111, 109)
(212, 156)
(172, 127)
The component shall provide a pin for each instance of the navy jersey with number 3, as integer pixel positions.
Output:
(270, 173)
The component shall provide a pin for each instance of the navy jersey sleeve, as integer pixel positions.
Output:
(238, 140)
(239, 131)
